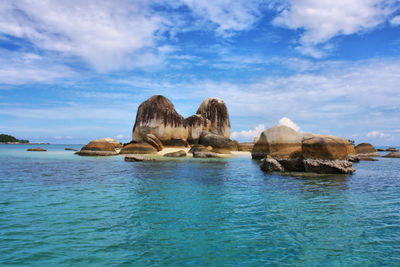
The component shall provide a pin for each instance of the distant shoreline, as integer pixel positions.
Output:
(19, 143)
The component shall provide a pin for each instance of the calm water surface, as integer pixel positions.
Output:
(57, 208)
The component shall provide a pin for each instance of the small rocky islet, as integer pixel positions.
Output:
(159, 126)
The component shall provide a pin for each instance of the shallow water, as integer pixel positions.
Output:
(57, 208)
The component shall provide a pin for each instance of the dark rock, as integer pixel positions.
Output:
(367, 159)
(198, 148)
(177, 154)
(216, 116)
(392, 155)
(138, 148)
(134, 158)
(70, 149)
(37, 149)
(154, 141)
(328, 166)
(208, 154)
(269, 164)
(367, 150)
(217, 141)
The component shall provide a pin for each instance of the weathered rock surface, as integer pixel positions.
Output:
(303, 152)
(269, 164)
(152, 140)
(366, 149)
(37, 149)
(279, 138)
(217, 141)
(133, 158)
(215, 111)
(246, 146)
(195, 125)
(208, 154)
(198, 148)
(101, 147)
(325, 147)
(392, 155)
(328, 166)
(138, 148)
(177, 154)
(158, 116)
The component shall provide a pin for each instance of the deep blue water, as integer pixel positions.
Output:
(57, 208)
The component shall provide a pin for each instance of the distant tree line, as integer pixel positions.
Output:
(5, 138)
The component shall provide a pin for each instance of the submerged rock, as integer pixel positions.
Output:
(138, 148)
(328, 166)
(215, 111)
(70, 149)
(157, 116)
(269, 164)
(392, 155)
(176, 154)
(134, 158)
(207, 154)
(366, 149)
(37, 149)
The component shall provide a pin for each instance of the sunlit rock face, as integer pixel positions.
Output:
(215, 111)
(366, 150)
(101, 147)
(158, 116)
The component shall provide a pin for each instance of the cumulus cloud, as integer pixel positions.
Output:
(289, 123)
(324, 19)
(395, 20)
(250, 134)
(378, 134)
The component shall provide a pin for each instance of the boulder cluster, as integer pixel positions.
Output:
(283, 149)
(158, 125)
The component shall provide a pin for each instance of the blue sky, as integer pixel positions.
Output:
(72, 71)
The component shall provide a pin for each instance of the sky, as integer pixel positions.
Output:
(72, 71)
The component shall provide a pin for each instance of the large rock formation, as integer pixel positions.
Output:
(158, 116)
(366, 150)
(101, 147)
(215, 112)
(284, 149)
(279, 139)
(159, 124)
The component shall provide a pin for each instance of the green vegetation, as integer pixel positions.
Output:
(4, 138)
(352, 142)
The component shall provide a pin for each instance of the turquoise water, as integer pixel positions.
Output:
(57, 208)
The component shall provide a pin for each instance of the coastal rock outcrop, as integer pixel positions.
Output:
(392, 155)
(366, 150)
(138, 148)
(37, 149)
(157, 116)
(390, 149)
(217, 142)
(198, 148)
(246, 146)
(177, 154)
(278, 139)
(207, 154)
(101, 147)
(284, 149)
(195, 125)
(215, 112)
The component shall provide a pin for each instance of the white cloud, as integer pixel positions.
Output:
(250, 134)
(289, 123)
(395, 20)
(378, 134)
(322, 20)
(107, 35)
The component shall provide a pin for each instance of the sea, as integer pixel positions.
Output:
(60, 209)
